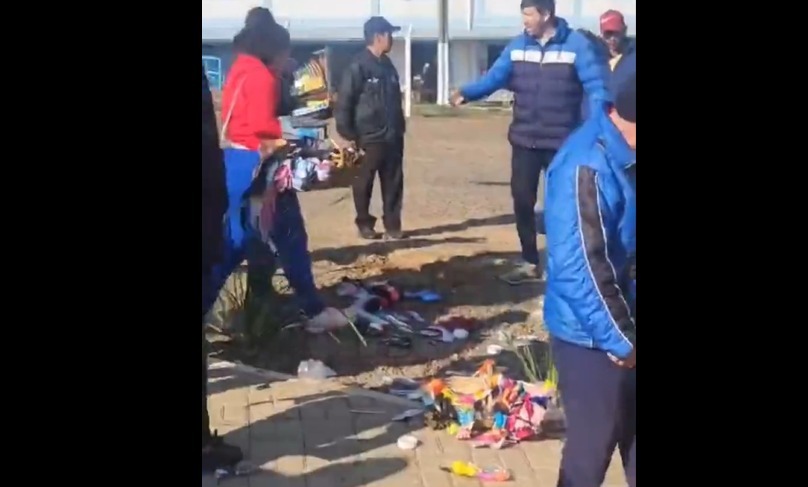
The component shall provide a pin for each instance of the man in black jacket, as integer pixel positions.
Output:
(215, 453)
(369, 113)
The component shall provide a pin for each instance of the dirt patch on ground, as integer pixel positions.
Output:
(459, 214)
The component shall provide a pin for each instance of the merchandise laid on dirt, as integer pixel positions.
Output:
(445, 306)
(377, 312)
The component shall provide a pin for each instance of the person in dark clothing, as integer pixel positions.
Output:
(549, 67)
(288, 102)
(622, 50)
(215, 453)
(369, 114)
(261, 17)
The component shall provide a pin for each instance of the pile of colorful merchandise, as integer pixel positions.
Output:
(294, 166)
(488, 409)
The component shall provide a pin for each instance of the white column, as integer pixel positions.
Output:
(408, 72)
(443, 52)
(446, 73)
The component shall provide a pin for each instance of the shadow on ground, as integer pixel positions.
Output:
(491, 183)
(349, 255)
(318, 435)
(468, 283)
(469, 286)
(507, 219)
(331, 438)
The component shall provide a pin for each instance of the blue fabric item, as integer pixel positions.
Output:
(548, 83)
(288, 234)
(290, 132)
(590, 218)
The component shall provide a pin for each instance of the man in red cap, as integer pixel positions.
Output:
(622, 49)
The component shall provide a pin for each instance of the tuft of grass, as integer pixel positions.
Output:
(541, 370)
(249, 307)
(232, 300)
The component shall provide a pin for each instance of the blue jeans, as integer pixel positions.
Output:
(288, 234)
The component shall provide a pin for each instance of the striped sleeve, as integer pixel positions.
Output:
(603, 308)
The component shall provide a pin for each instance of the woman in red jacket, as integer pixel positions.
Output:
(250, 127)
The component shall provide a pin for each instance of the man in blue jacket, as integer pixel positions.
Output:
(589, 305)
(548, 67)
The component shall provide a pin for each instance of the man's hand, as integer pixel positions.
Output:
(629, 362)
(456, 99)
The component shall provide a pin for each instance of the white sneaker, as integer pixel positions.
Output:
(329, 319)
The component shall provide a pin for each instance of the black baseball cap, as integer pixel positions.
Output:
(626, 100)
(379, 25)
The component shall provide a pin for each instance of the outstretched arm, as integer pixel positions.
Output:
(594, 74)
(495, 79)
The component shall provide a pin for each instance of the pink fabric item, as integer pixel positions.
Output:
(283, 181)
(524, 421)
(283, 177)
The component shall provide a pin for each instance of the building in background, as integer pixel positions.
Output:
(478, 29)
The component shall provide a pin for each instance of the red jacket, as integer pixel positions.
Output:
(256, 91)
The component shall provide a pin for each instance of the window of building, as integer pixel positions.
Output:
(213, 69)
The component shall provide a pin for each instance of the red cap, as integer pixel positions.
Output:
(612, 21)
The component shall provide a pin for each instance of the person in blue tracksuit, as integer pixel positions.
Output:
(548, 67)
(589, 312)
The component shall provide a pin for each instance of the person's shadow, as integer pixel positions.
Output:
(314, 440)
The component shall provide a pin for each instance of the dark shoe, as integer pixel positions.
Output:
(368, 233)
(216, 454)
(394, 235)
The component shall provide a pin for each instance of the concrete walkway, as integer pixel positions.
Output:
(322, 434)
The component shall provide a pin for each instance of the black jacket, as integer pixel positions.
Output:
(214, 189)
(287, 101)
(368, 107)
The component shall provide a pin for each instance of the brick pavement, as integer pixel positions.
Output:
(322, 434)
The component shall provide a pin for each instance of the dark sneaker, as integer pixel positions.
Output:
(394, 235)
(216, 454)
(522, 274)
(368, 233)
